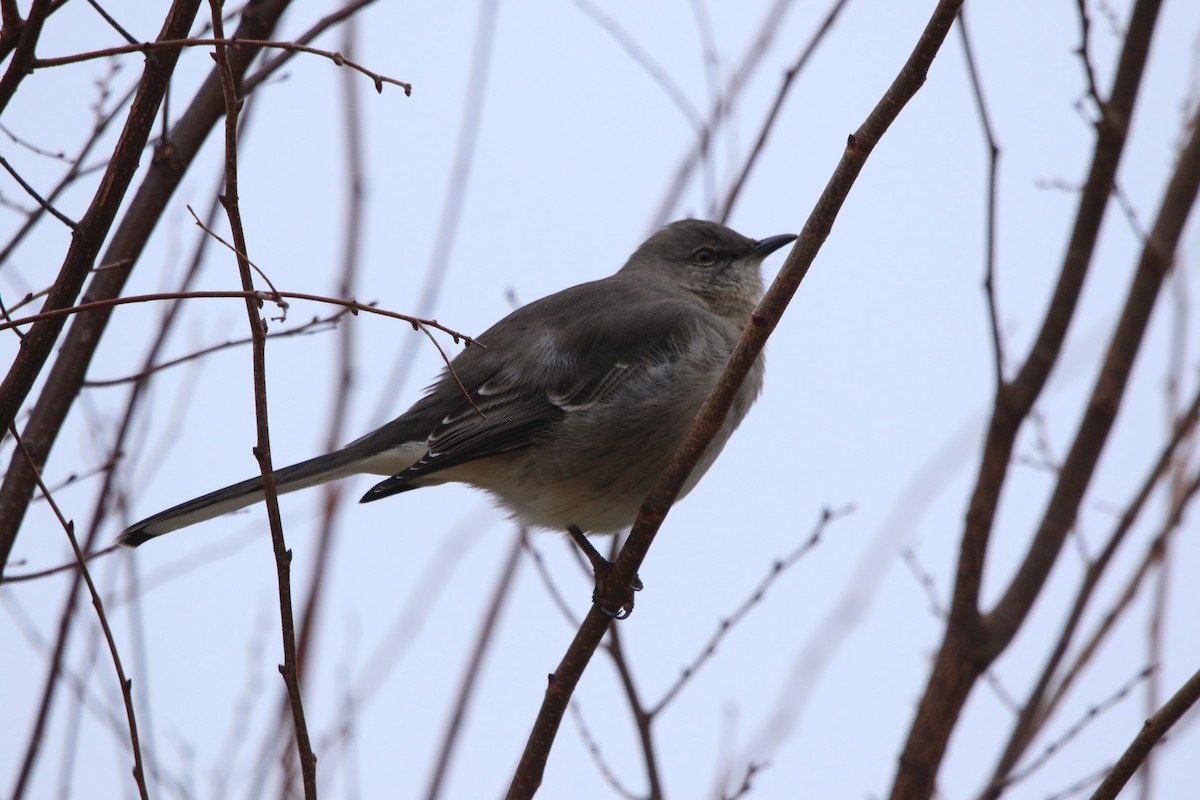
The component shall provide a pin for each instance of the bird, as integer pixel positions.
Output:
(568, 409)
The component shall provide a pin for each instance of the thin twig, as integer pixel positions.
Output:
(711, 58)
(222, 43)
(139, 775)
(116, 26)
(332, 493)
(41, 201)
(643, 719)
(768, 123)
(314, 325)
(341, 14)
(1089, 716)
(450, 217)
(989, 136)
(593, 748)
(747, 784)
(929, 585)
(61, 568)
(1084, 53)
(253, 295)
(208, 229)
(644, 60)
(421, 595)
(756, 49)
(262, 450)
(726, 625)
(539, 565)
(487, 629)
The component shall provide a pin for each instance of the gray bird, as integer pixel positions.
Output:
(575, 403)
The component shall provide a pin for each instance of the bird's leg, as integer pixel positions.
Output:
(601, 568)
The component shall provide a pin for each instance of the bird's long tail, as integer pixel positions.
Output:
(312, 472)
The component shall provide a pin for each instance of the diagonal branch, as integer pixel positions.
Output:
(1015, 399)
(141, 216)
(1151, 733)
(1042, 700)
(135, 744)
(90, 232)
(1002, 622)
(617, 588)
(971, 642)
(22, 35)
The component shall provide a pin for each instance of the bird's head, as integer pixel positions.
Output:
(719, 265)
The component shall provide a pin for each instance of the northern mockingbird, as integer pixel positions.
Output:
(574, 405)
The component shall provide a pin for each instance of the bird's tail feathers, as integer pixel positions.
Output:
(312, 472)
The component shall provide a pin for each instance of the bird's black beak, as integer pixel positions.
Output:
(764, 247)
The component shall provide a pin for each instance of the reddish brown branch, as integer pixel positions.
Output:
(254, 295)
(235, 43)
(1151, 733)
(1015, 399)
(1042, 701)
(967, 647)
(617, 591)
(262, 450)
(1156, 258)
(22, 35)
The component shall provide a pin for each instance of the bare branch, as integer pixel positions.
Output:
(643, 719)
(618, 587)
(1156, 258)
(1041, 701)
(1151, 733)
(219, 42)
(459, 181)
(139, 774)
(778, 569)
(42, 202)
(22, 36)
(487, 629)
(262, 450)
(989, 136)
(966, 649)
(768, 123)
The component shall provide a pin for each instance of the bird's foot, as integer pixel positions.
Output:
(601, 570)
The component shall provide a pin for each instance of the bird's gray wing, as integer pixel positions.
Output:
(554, 357)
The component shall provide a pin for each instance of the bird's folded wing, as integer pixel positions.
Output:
(515, 398)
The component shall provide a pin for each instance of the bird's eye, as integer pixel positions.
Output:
(704, 257)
